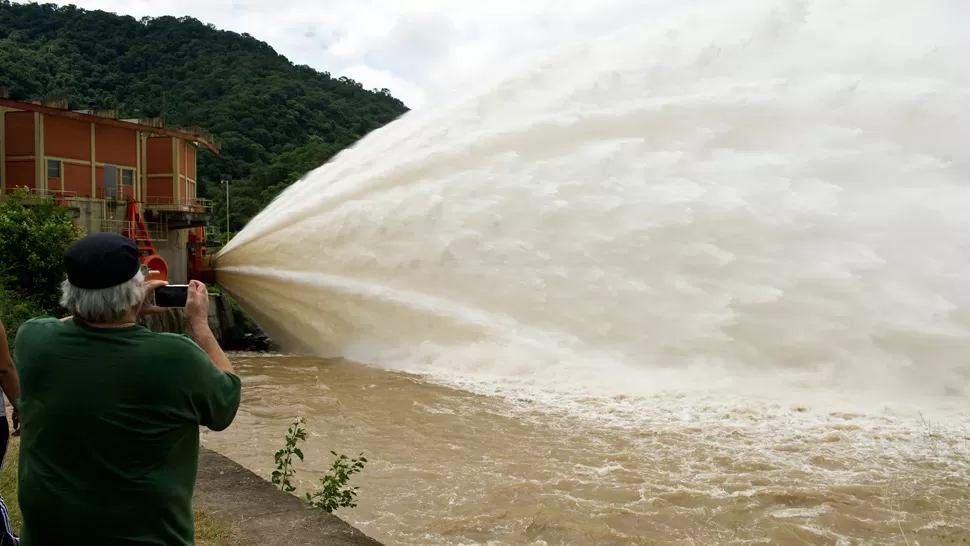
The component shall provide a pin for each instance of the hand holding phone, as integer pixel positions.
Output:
(172, 295)
(197, 304)
(148, 306)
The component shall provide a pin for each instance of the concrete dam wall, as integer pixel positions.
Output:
(233, 334)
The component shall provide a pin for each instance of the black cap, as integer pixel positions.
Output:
(101, 260)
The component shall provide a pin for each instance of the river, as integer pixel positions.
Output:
(450, 467)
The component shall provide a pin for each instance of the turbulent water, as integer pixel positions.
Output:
(450, 467)
(732, 243)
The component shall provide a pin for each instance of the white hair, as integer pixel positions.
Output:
(103, 305)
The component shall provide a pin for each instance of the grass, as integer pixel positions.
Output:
(8, 484)
(209, 531)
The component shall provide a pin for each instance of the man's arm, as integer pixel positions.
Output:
(217, 388)
(197, 311)
(9, 381)
(207, 340)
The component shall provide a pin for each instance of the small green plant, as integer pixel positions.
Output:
(335, 492)
(284, 457)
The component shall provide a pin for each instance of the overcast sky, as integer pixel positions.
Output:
(415, 48)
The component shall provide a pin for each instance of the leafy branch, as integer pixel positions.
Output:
(284, 457)
(335, 491)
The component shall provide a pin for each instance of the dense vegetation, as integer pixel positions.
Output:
(32, 241)
(273, 120)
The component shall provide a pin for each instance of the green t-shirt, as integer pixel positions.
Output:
(110, 432)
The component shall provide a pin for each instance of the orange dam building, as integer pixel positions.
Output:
(130, 176)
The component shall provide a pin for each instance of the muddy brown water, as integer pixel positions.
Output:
(450, 467)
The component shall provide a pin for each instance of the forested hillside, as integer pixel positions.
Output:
(273, 120)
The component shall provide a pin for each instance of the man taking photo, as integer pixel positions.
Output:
(110, 411)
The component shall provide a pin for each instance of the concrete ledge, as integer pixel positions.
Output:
(263, 515)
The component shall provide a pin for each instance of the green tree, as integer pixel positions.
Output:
(33, 238)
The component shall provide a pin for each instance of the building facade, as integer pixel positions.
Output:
(130, 176)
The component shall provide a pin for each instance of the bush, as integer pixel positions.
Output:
(33, 238)
(284, 457)
(335, 493)
(15, 310)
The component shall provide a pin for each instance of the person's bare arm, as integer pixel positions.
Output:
(197, 311)
(9, 381)
(207, 340)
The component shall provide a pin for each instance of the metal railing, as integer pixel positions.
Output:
(34, 195)
(188, 204)
(158, 231)
(121, 193)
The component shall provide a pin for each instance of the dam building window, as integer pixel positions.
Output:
(53, 168)
(112, 174)
(110, 182)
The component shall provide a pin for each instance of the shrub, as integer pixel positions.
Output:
(15, 310)
(33, 238)
(334, 492)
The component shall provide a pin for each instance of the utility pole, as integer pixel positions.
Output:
(226, 182)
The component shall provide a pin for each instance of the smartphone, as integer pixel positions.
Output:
(173, 295)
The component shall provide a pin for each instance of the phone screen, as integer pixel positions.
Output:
(173, 295)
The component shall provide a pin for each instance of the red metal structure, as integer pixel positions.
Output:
(200, 262)
(136, 230)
